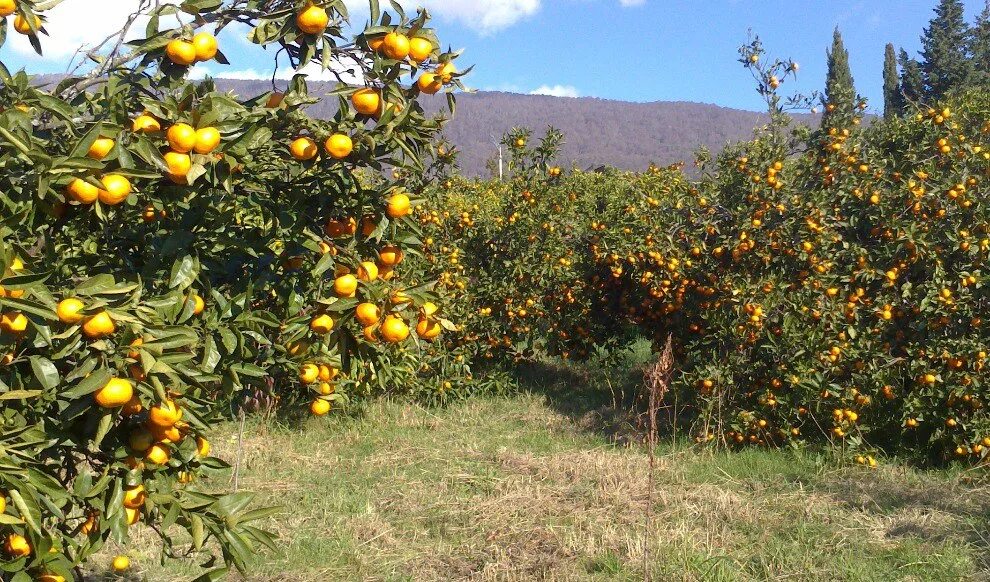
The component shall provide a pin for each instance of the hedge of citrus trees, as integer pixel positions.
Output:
(823, 285)
(169, 251)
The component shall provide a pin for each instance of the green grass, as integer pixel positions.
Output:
(532, 487)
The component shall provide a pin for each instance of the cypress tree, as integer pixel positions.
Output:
(892, 105)
(912, 81)
(840, 92)
(980, 49)
(945, 60)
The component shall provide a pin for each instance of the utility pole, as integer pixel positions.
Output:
(498, 144)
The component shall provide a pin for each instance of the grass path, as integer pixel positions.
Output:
(512, 489)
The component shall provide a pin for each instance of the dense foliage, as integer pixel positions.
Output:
(824, 286)
(169, 250)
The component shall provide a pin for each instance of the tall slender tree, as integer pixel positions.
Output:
(892, 101)
(840, 91)
(945, 62)
(912, 79)
(980, 49)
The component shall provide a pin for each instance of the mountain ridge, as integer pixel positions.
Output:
(597, 131)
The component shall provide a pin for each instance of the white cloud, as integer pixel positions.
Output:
(74, 24)
(348, 72)
(484, 16)
(77, 23)
(556, 91)
(628, 3)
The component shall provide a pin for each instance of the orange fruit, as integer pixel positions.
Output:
(303, 149)
(420, 49)
(133, 515)
(202, 447)
(429, 83)
(394, 330)
(207, 140)
(134, 354)
(115, 190)
(368, 226)
(165, 415)
(145, 123)
(339, 146)
(399, 297)
(120, 564)
(390, 256)
(345, 285)
(308, 373)
(166, 435)
(205, 45)
(398, 205)
(132, 407)
(178, 164)
(371, 334)
(135, 496)
(83, 192)
(321, 324)
(22, 25)
(100, 148)
(157, 454)
(428, 329)
(446, 71)
(367, 314)
(312, 19)
(199, 305)
(274, 100)
(328, 373)
(16, 546)
(14, 322)
(70, 310)
(181, 52)
(326, 388)
(137, 372)
(181, 138)
(396, 46)
(366, 101)
(367, 271)
(376, 43)
(7, 7)
(89, 525)
(319, 407)
(116, 392)
(140, 440)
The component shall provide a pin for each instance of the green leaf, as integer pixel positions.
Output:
(196, 531)
(184, 272)
(88, 385)
(45, 372)
(20, 394)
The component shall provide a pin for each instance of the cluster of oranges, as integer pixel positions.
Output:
(201, 48)
(112, 353)
(837, 295)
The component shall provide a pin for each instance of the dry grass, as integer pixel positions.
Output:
(513, 489)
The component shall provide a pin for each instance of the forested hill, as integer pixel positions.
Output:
(597, 131)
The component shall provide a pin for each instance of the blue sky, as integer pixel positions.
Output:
(636, 50)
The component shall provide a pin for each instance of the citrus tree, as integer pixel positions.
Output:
(169, 250)
(820, 285)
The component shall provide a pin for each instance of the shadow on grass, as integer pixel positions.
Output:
(936, 506)
(596, 396)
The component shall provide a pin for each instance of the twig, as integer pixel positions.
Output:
(240, 451)
(657, 380)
